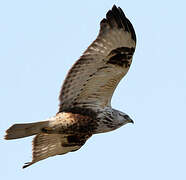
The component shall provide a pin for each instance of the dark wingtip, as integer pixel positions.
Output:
(132, 31)
(27, 164)
(116, 18)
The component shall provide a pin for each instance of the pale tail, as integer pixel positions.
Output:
(24, 130)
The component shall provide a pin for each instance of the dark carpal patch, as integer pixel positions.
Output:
(121, 56)
(73, 139)
(76, 140)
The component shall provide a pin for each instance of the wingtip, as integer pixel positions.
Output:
(133, 34)
(116, 18)
(114, 6)
(27, 164)
(118, 9)
(128, 25)
(8, 135)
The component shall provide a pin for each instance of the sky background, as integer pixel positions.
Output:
(40, 40)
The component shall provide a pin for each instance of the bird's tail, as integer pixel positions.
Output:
(24, 130)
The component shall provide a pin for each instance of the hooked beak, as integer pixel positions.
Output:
(129, 120)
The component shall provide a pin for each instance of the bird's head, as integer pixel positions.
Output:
(123, 118)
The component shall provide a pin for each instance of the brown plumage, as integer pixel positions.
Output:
(85, 97)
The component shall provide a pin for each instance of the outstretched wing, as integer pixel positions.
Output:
(47, 145)
(91, 81)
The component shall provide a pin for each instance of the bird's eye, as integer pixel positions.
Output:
(126, 116)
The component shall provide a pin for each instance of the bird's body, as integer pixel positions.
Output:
(85, 98)
(87, 122)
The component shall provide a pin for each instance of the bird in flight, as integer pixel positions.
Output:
(85, 97)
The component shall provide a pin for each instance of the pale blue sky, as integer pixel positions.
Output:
(40, 40)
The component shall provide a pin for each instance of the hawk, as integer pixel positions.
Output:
(85, 97)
